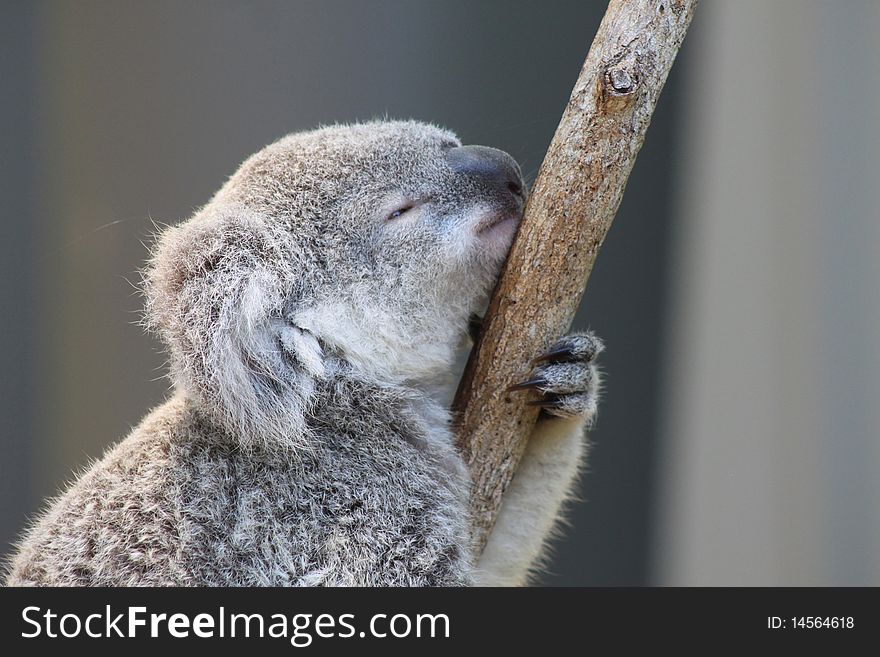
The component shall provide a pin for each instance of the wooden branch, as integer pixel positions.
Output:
(572, 204)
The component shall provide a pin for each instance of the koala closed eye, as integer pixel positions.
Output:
(400, 212)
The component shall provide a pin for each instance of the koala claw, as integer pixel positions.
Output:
(567, 377)
(536, 382)
(573, 347)
(548, 402)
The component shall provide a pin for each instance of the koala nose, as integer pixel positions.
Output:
(490, 166)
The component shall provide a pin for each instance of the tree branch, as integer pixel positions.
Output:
(569, 212)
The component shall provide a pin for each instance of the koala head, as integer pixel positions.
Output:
(360, 249)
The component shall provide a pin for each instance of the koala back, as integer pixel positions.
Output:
(177, 503)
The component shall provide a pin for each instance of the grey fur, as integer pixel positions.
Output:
(311, 341)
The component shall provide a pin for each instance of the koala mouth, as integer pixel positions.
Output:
(496, 219)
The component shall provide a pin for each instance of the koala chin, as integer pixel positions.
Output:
(312, 312)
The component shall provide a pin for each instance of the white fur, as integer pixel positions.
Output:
(532, 503)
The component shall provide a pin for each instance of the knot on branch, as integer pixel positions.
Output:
(619, 85)
(677, 6)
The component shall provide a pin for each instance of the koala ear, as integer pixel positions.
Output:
(217, 287)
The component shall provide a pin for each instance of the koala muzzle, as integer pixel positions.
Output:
(491, 168)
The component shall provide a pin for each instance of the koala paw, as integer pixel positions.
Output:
(567, 377)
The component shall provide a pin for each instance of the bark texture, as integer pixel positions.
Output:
(575, 197)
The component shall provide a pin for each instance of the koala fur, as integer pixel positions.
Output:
(312, 312)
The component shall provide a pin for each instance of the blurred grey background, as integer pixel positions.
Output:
(737, 291)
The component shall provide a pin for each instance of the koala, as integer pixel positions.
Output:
(313, 311)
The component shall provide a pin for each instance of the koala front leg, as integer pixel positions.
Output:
(568, 382)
